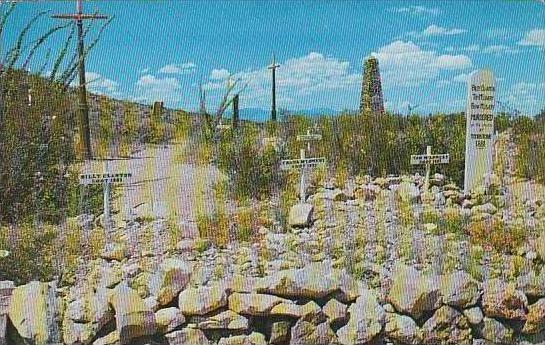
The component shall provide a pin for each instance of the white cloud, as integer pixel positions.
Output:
(184, 68)
(301, 78)
(406, 64)
(416, 10)
(535, 37)
(219, 74)
(500, 34)
(97, 83)
(494, 49)
(499, 49)
(435, 30)
(527, 97)
(150, 88)
(461, 78)
(472, 48)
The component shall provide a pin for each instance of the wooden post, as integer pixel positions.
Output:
(273, 67)
(83, 107)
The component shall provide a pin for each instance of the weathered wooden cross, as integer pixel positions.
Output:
(107, 179)
(429, 159)
(303, 163)
(309, 138)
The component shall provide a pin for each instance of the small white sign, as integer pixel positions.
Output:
(301, 163)
(87, 179)
(430, 159)
(309, 137)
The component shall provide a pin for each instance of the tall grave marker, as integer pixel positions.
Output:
(479, 128)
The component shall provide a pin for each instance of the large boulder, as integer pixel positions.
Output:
(503, 300)
(290, 309)
(300, 215)
(169, 319)
(111, 338)
(335, 311)
(535, 321)
(187, 336)
(85, 316)
(202, 300)
(332, 194)
(412, 292)
(280, 332)
(315, 281)
(109, 276)
(252, 339)
(253, 303)
(447, 326)
(459, 289)
(33, 312)
(366, 321)
(133, 317)
(226, 320)
(172, 277)
(114, 251)
(533, 285)
(306, 332)
(74, 333)
(486, 208)
(408, 192)
(402, 329)
(496, 332)
(474, 315)
(6, 290)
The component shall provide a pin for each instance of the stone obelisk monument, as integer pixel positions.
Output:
(479, 128)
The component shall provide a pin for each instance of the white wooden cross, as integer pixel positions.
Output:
(302, 164)
(107, 179)
(429, 159)
(309, 138)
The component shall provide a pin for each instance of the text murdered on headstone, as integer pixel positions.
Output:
(479, 128)
(482, 121)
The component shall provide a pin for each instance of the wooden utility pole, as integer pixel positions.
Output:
(236, 116)
(83, 107)
(273, 67)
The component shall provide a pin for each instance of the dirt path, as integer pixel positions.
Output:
(163, 185)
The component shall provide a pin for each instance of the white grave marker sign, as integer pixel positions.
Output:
(479, 128)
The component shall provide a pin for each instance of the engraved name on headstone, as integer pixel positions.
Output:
(479, 128)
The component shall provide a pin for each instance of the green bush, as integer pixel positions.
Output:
(32, 253)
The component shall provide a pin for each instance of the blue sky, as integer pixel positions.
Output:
(159, 50)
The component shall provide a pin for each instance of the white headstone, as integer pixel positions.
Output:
(479, 128)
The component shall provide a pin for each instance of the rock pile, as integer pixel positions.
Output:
(316, 304)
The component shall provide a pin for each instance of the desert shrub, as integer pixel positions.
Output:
(214, 227)
(245, 224)
(454, 223)
(496, 235)
(430, 215)
(201, 245)
(253, 170)
(382, 145)
(33, 252)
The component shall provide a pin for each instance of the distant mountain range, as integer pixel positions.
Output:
(258, 114)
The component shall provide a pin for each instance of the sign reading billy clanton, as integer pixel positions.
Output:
(479, 128)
